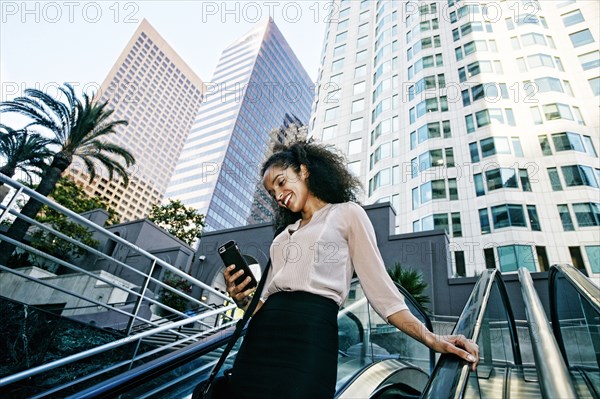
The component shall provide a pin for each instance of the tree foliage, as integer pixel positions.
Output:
(72, 196)
(183, 222)
(79, 129)
(412, 281)
(172, 299)
(23, 151)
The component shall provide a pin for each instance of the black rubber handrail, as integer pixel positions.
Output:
(584, 287)
(137, 376)
(451, 373)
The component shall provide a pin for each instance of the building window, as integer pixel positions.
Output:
(545, 145)
(354, 168)
(359, 88)
(456, 225)
(576, 258)
(356, 125)
(474, 151)
(341, 37)
(490, 260)
(331, 114)
(554, 179)
(360, 71)
(479, 189)
(589, 146)
(501, 178)
(494, 145)
(536, 116)
(565, 217)
(524, 178)
(578, 175)
(590, 60)
(512, 257)
(542, 258)
(358, 105)
(568, 141)
(595, 85)
(470, 123)
(433, 190)
(436, 221)
(593, 254)
(355, 146)
(337, 65)
(361, 56)
(509, 215)
(329, 132)
(581, 38)
(530, 39)
(484, 221)
(459, 263)
(534, 220)
(587, 214)
(339, 50)
(557, 111)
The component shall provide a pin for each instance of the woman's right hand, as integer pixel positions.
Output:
(238, 293)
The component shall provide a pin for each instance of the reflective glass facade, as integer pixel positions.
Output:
(258, 86)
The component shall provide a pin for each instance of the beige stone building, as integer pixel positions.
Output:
(159, 94)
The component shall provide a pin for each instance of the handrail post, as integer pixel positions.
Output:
(553, 375)
(140, 298)
(10, 204)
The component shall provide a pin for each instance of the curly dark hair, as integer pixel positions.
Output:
(328, 179)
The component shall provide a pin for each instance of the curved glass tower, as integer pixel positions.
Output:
(480, 118)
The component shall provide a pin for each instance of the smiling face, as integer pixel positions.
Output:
(288, 187)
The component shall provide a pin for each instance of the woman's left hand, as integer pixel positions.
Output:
(458, 345)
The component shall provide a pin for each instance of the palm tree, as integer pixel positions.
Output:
(412, 281)
(79, 129)
(23, 151)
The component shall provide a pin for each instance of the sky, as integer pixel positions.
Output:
(46, 43)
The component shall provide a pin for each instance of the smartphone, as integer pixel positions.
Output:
(230, 254)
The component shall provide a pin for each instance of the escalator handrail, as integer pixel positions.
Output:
(123, 382)
(553, 375)
(586, 289)
(450, 376)
(578, 280)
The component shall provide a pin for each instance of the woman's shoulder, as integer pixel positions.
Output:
(349, 208)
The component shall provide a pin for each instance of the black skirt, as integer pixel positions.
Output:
(290, 350)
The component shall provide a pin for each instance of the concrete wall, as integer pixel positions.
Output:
(151, 238)
(33, 293)
(425, 251)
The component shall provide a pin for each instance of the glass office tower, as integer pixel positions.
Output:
(259, 85)
(479, 118)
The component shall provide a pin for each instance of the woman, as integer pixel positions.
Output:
(290, 348)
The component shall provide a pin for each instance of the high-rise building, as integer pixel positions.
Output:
(156, 91)
(259, 85)
(480, 118)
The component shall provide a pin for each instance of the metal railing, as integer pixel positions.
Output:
(180, 371)
(138, 291)
(554, 378)
(451, 374)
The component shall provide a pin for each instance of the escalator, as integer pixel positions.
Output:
(369, 350)
(575, 314)
(377, 362)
